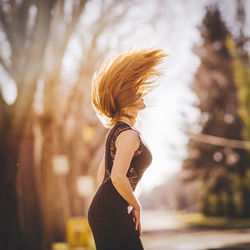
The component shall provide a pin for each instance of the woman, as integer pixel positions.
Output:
(117, 97)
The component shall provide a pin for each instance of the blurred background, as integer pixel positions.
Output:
(196, 192)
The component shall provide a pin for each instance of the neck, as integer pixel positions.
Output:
(126, 120)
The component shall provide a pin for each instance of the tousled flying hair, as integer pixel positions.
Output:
(121, 79)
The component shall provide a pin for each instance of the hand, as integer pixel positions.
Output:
(136, 218)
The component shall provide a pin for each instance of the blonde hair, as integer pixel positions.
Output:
(118, 82)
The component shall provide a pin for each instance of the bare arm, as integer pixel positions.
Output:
(126, 144)
(101, 170)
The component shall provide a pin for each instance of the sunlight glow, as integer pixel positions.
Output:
(60, 164)
(85, 185)
(7, 87)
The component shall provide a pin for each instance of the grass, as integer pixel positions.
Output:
(200, 220)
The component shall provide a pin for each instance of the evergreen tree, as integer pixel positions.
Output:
(241, 73)
(221, 167)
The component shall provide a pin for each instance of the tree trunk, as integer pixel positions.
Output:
(10, 230)
(30, 213)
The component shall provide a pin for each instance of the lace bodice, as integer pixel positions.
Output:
(140, 161)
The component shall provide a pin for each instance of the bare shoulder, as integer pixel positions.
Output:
(128, 138)
(126, 144)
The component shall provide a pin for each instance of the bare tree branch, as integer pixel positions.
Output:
(220, 141)
(6, 26)
(27, 86)
(7, 69)
(77, 11)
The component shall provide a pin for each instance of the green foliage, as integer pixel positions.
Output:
(209, 207)
(205, 207)
(230, 206)
(198, 219)
(238, 202)
(235, 180)
(223, 204)
(222, 85)
(241, 73)
(246, 180)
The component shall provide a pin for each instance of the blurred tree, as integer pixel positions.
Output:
(241, 71)
(50, 136)
(83, 142)
(25, 26)
(219, 166)
(26, 44)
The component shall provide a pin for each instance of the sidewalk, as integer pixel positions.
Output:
(161, 230)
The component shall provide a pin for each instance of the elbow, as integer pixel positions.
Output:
(116, 178)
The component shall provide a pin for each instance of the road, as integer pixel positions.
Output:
(162, 231)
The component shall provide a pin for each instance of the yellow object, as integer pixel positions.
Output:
(60, 246)
(78, 231)
(88, 133)
(91, 241)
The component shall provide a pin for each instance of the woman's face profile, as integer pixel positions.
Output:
(139, 103)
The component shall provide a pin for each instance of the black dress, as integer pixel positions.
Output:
(112, 226)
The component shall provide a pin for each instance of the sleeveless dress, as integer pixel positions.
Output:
(112, 226)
